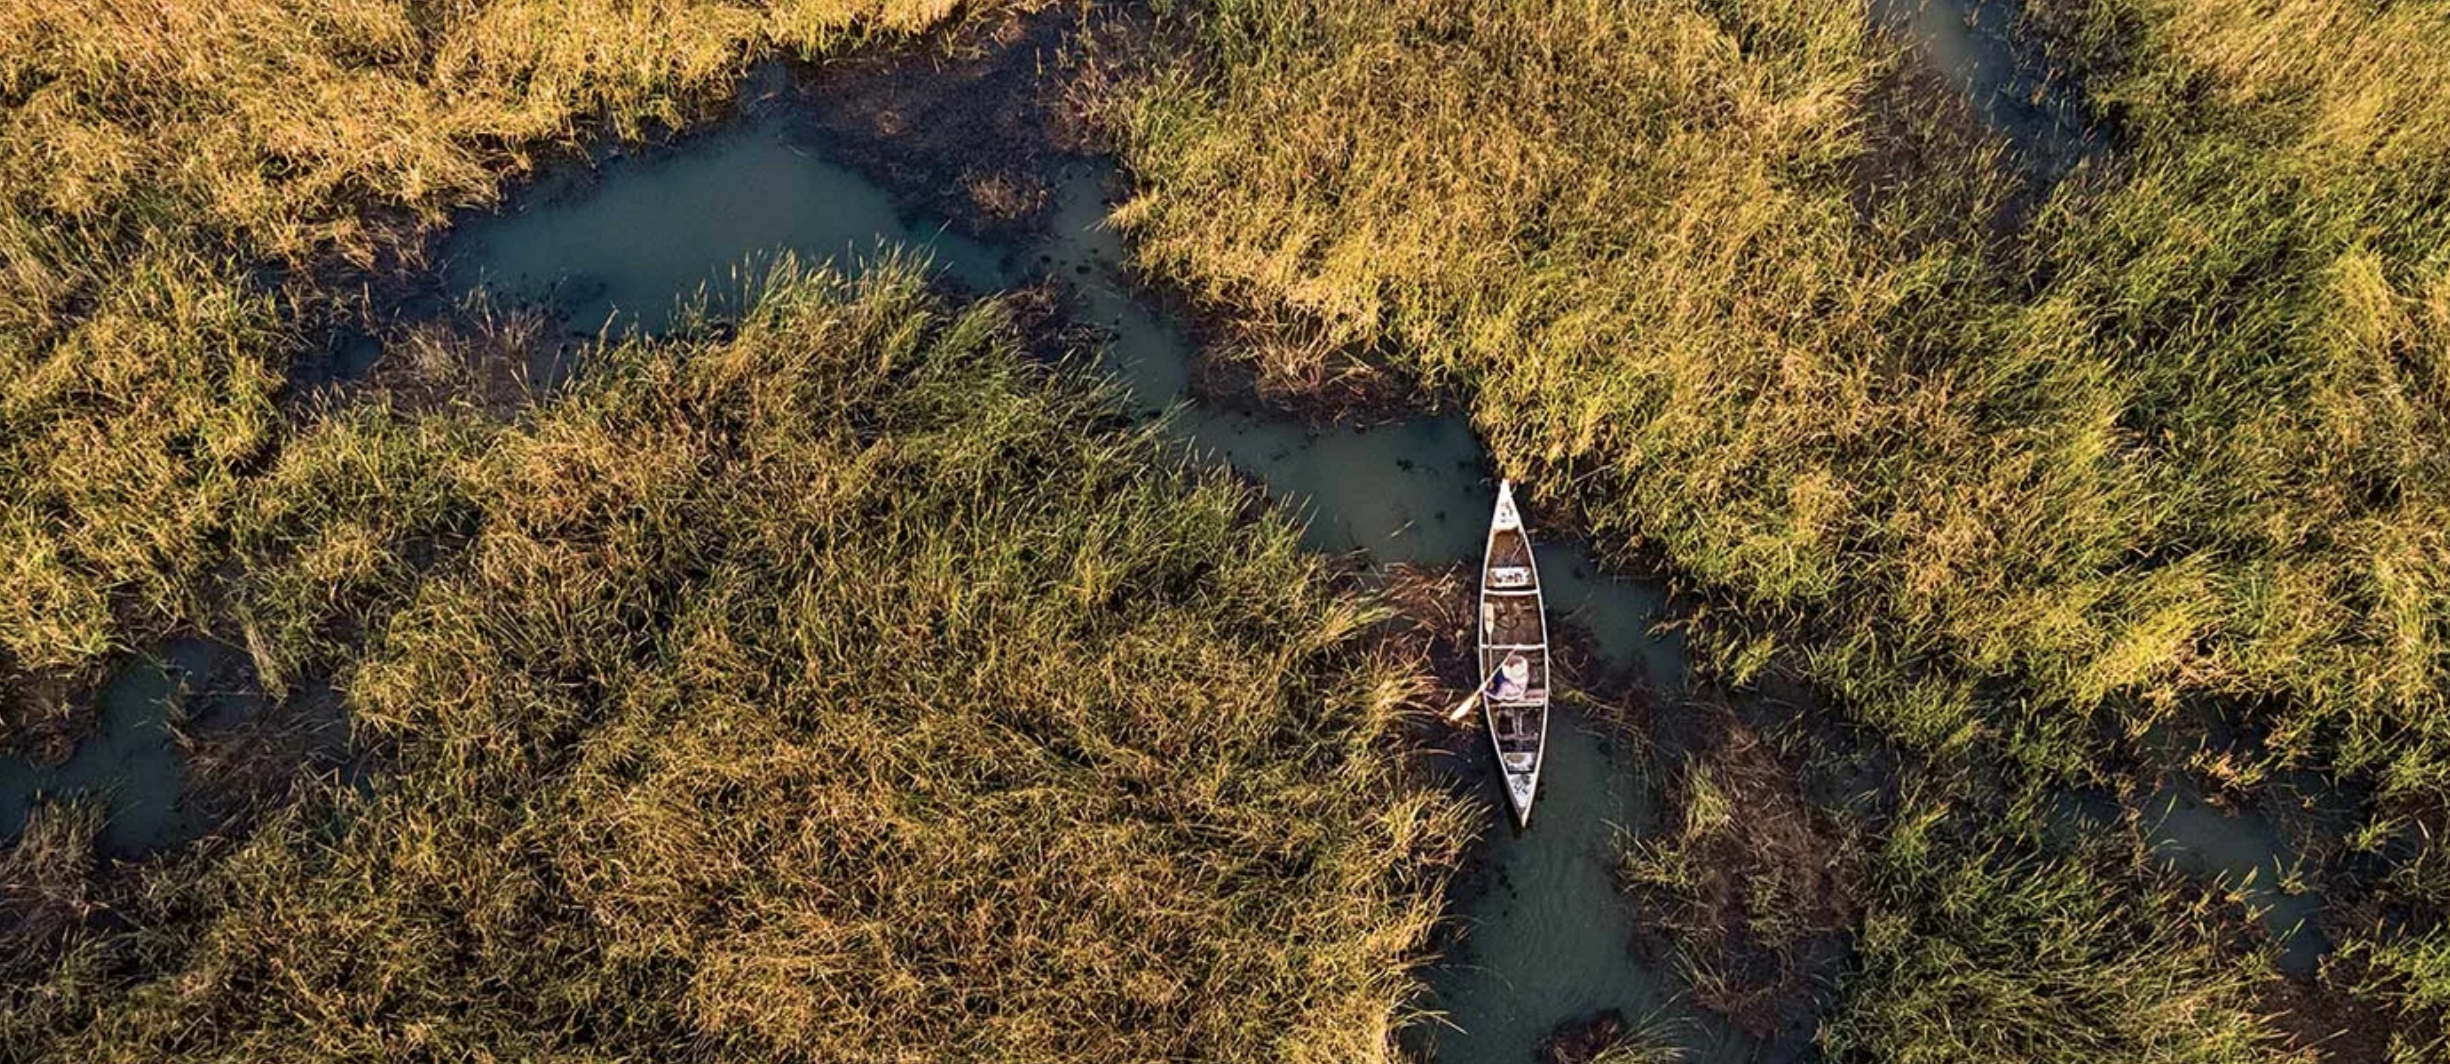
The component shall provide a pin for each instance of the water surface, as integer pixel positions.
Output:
(1974, 46)
(626, 245)
(1545, 935)
(131, 764)
(2243, 852)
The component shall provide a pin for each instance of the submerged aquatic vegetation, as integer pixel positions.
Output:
(838, 685)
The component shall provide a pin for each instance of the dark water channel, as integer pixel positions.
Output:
(1548, 938)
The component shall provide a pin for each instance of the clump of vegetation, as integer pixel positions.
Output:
(1607, 1038)
(188, 193)
(47, 885)
(1744, 887)
(2407, 973)
(836, 685)
(1973, 950)
(124, 440)
(2395, 957)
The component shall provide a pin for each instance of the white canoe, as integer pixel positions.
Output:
(1514, 654)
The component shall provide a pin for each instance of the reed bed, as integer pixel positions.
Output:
(1720, 279)
(836, 685)
(1972, 950)
(773, 695)
(1744, 885)
(2014, 481)
(190, 194)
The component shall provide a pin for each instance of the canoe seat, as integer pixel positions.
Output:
(1509, 576)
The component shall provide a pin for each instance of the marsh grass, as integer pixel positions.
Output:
(46, 881)
(2407, 973)
(1976, 953)
(835, 685)
(186, 190)
(2011, 482)
(1609, 1038)
(2181, 437)
(2395, 953)
(122, 443)
(1746, 886)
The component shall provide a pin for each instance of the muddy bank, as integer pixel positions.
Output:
(42, 713)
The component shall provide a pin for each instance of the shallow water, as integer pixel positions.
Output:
(1548, 938)
(1974, 46)
(2241, 851)
(1545, 937)
(627, 246)
(131, 764)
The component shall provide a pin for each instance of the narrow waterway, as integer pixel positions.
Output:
(1546, 936)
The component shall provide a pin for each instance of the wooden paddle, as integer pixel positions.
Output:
(1456, 714)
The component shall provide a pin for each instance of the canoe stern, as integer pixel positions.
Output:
(1519, 788)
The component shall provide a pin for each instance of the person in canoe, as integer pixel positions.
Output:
(1511, 680)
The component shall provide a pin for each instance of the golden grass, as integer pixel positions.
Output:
(841, 689)
(2013, 482)
(184, 186)
(1986, 954)
(1713, 275)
